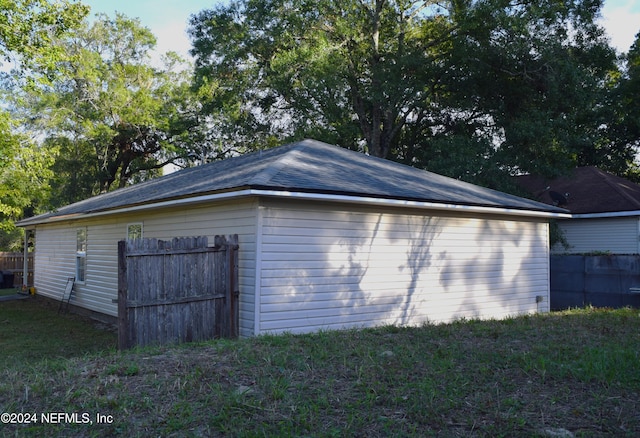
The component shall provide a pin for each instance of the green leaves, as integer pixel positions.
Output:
(623, 114)
(24, 175)
(317, 68)
(28, 27)
(107, 112)
(514, 86)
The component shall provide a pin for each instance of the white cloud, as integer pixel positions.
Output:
(167, 19)
(172, 36)
(621, 19)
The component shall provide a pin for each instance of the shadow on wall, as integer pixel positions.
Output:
(508, 270)
(419, 260)
(390, 263)
(363, 269)
(435, 269)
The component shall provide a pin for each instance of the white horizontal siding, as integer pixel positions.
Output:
(614, 235)
(54, 259)
(56, 246)
(101, 286)
(56, 251)
(327, 268)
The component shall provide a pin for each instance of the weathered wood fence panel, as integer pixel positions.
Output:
(177, 291)
(13, 263)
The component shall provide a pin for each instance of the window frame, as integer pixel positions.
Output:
(81, 255)
(129, 233)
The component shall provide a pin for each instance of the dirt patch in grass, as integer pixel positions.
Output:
(572, 373)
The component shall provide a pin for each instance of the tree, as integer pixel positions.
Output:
(28, 27)
(538, 71)
(111, 116)
(465, 88)
(350, 72)
(24, 173)
(621, 143)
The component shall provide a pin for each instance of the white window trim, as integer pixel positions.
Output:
(81, 255)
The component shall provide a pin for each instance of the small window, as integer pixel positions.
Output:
(81, 254)
(134, 231)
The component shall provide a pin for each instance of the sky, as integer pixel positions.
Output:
(621, 19)
(168, 19)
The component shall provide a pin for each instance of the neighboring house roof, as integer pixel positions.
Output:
(587, 190)
(308, 167)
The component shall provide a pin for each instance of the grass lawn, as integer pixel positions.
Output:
(10, 291)
(572, 373)
(33, 332)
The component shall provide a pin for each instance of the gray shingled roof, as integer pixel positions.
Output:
(587, 190)
(307, 166)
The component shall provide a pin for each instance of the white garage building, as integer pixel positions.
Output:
(329, 238)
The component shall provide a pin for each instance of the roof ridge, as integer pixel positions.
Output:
(307, 165)
(264, 176)
(607, 177)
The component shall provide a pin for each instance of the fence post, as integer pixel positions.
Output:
(232, 284)
(123, 317)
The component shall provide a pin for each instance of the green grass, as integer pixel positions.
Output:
(10, 291)
(571, 371)
(32, 330)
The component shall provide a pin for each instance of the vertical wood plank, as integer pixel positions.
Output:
(180, 290)
(123, 318)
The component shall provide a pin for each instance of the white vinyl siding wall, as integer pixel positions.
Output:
(54, 258)
(56, 251)
(334, 267)
(55, 262)
(615, 235)
(329, 265)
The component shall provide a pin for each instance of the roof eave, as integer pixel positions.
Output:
(253, 192)
(606, 214)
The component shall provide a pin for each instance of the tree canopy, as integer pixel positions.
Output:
(478, 90)
(112, 118)
(465, 88)
(28, 27)
(622, 108)
(90, 115)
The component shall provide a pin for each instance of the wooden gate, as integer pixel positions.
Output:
(177, 291)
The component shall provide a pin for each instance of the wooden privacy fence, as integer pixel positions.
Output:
(177, 291)
(13, 262)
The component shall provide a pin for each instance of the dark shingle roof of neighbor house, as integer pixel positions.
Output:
(586, 190)
(307, 166)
